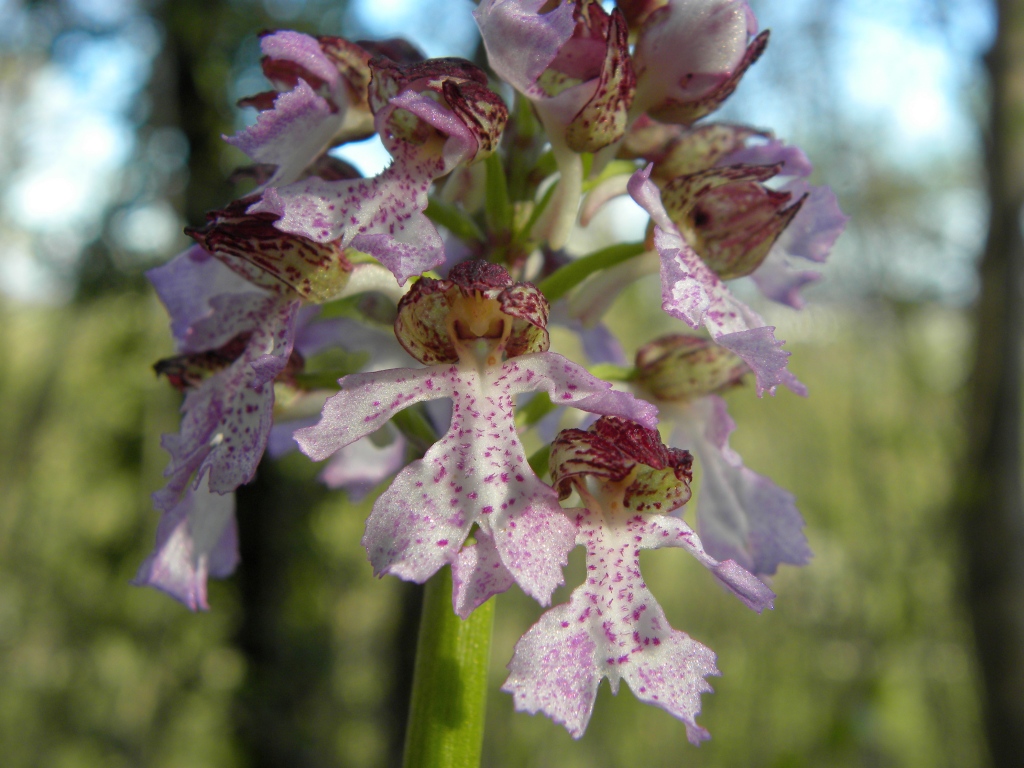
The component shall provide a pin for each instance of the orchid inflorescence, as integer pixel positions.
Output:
(459, 246)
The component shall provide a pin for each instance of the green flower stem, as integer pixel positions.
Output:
(449, 688)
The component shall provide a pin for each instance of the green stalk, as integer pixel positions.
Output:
(449, 688)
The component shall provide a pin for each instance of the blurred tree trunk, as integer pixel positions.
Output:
(991, 505)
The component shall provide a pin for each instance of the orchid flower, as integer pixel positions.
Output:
(690, 56)
(695, 294)
(741, 515)
(809, 235)
(612, 626)
(573, 64)
(321, 101)
(432, 117)
(234, 301)
(484, 341)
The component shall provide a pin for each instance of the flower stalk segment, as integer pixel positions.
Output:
(449, 693)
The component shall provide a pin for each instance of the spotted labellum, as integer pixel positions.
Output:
(612, 627)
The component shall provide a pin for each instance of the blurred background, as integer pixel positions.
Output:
(901, 644)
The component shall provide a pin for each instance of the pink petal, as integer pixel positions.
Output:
(196, 538)
(291, 135)
(570, 384)
(227, 418)
(742, 515)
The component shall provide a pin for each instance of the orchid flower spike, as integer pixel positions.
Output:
(612, 626)
(484, 340)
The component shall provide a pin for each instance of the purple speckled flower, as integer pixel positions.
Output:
(236, 344)
(690, 56)
(321, 101)
(432, 117)
(695, 294)
(477, 473)
(572, 62)
(612, 626)
(809, 236)
(741, 515)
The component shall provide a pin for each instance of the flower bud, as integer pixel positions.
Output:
(683, 367)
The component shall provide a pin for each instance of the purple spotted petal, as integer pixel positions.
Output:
(186, 285)
(303, 51)
(522, 42)
(292, 135)
(478, 574)
(197, 538)
(570, 384)
(742, 516)
(226, 419)
(612, 627)
(695, 294)
(664, 531)
(477, 473)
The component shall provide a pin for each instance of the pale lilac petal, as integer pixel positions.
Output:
(521, 42)
(281, 442)
(363, 465)
(759, 349)
(186, 285)
(233, 314)
(382, 216)
(663, 531)
(556, 668)
(612, 627)
(302, 50)
(367, 401)
(477, 575)
(570, 384)
(196, 538)
(742, 516)
(696, 295)
(226, 419)
(794, 161)
(599, 343)
(816, 227)
(694, 47)
(292, 135)
(477, 473)
(779, 281)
